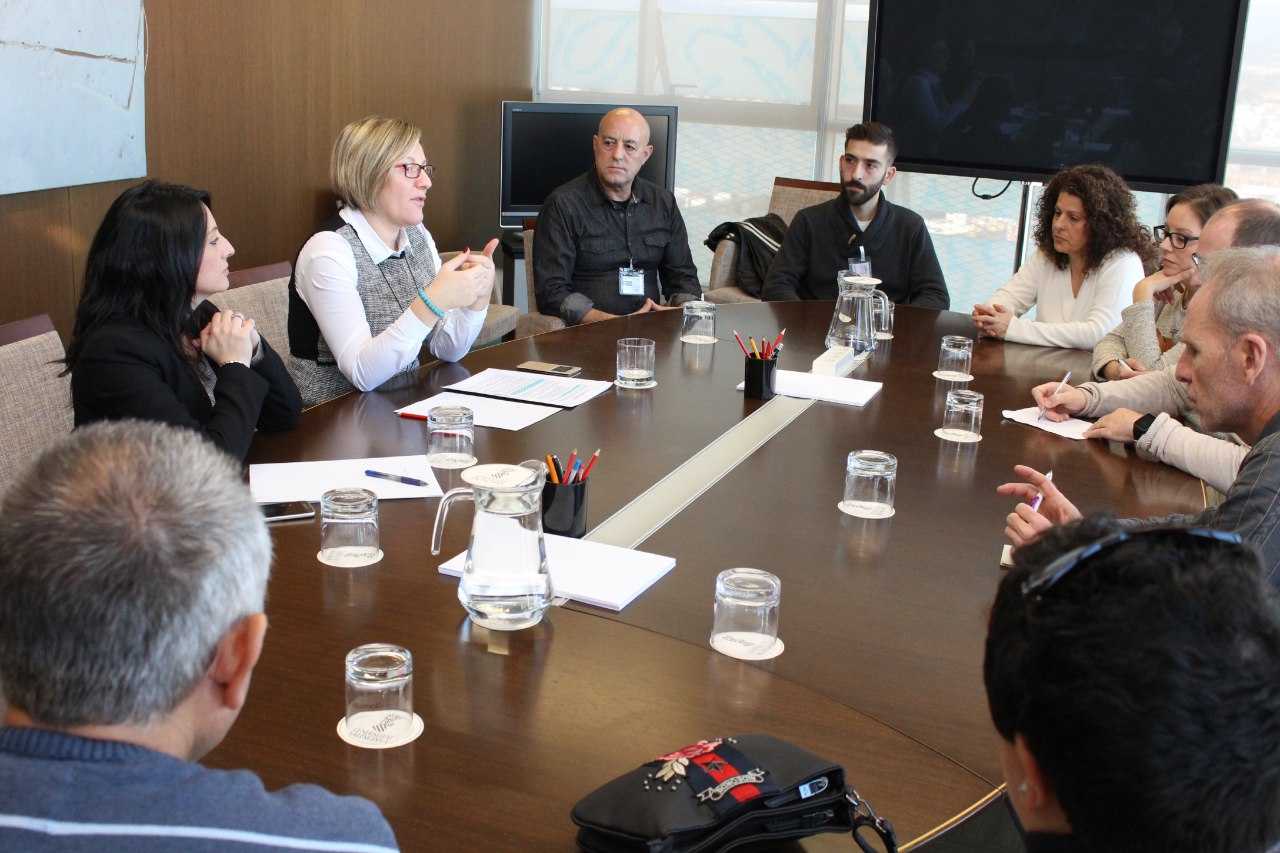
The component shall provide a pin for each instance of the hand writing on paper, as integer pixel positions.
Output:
(1117, 425)
(992, 320)
(1024, 524)
(1061, 405)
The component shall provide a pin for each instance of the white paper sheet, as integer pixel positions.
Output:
(500, 414)
(830, 389)
(532, 387)
(592, 573)
(307, 481)
(1073, 428)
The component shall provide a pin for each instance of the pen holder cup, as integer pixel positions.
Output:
(564, 509)
(758, 378)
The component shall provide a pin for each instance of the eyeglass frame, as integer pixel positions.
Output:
(418, 169)
(1050, 575)
(1162, 232)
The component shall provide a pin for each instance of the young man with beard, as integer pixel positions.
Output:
(858, 223)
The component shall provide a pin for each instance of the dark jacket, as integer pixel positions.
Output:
(127, 371)
(1039, 842)
(583, 238)
(759, 239)
(824, 237)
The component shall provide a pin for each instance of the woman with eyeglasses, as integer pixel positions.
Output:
(1150, 329)
(147, 344)
(1089, 247)
(370, 297)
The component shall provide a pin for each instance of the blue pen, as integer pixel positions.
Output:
(577, 466)
(396, 478)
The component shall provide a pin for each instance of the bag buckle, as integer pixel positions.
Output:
(861, 815)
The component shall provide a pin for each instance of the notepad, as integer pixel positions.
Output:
(500, 414)
(1073, 428)
(278, 482)
(600, 575)
(829, 389)
(532, 387)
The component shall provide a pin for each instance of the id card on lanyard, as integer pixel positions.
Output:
(630, 281)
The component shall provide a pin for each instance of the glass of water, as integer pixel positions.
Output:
(882, 314)
(746, 614)
(699, 323)
(451, 437)
(955, 357)
(869, 481)
(380, 695)
(349, 528)
(962, 419)
(636, 358)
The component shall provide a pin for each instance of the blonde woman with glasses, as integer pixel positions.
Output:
(370, 297)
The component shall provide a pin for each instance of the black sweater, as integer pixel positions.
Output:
(822, 238)
(126, 371)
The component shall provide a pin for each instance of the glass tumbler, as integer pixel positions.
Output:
(883, 317)
(869, 480)
(746, 613)
(635, 363)
(962, 419)
(699, 323)
(379, 695)
(349, 528)
(955, 358)
(451, 437)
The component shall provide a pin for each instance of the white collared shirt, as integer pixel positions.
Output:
(326, 280)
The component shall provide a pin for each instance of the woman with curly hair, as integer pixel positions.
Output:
(1150, 332)
(1089, 252)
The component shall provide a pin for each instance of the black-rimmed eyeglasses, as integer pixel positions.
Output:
(1043, 580)
(1177, 240)
(413, 170)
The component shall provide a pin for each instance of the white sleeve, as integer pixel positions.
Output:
(326, 281)
(1205, 456)
(1111, 282)
(1019, 293)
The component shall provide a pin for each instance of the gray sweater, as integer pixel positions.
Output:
(1251, 507)
(1138, 336)
(70, 794)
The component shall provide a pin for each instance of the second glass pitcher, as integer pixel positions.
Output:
(853, 321)
(505, 583)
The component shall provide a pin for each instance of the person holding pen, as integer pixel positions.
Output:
(1090, 249)
(370, 295)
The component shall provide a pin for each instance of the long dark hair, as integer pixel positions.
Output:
(143, 264)
(1110, 216)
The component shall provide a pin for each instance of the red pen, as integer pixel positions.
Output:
(738, 338)
(591, 463)
(411, 416)
(568, 464)
(777, 340)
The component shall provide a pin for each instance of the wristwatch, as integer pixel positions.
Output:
(1141, 425)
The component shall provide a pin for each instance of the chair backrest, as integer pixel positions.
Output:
(790, 195)
(35, 402)
(527, 236)
(262, 293)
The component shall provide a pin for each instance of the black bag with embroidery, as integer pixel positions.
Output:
(722, 794)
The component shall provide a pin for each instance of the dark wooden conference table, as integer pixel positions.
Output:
(883, 620)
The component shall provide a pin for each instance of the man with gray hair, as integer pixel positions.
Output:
(133, 571)
(1231, 371)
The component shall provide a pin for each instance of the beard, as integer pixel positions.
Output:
(858, 194)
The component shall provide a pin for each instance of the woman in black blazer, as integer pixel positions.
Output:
(146, 345)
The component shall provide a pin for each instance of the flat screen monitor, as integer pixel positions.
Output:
(545, 144)
(1022, 88)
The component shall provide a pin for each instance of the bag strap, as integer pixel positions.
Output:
(861, 814)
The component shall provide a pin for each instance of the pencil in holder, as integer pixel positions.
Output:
(758, 380)
(564, 509)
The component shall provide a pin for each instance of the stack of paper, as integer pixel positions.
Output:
(829, 389)
(1032, 416)
(592, 573)
(502, 414)
(532, 388)
(306, 481)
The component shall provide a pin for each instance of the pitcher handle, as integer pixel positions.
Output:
(882, 298)
(443, 510)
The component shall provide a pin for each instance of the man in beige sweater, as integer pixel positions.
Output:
(1143, 408)
(1231, 375)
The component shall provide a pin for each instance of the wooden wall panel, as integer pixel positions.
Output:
(244, 99)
